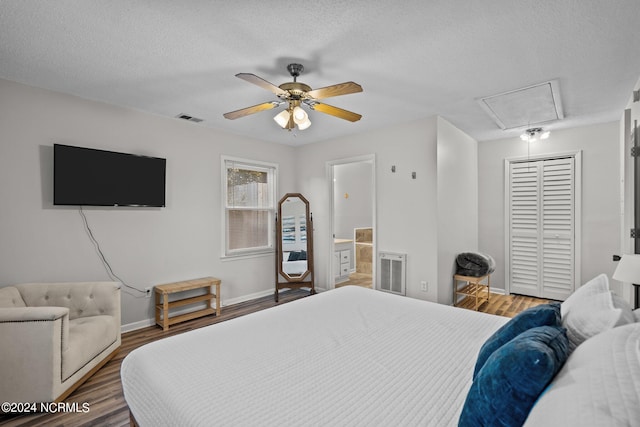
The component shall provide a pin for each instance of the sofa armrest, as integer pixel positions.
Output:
(33, 339)
(26, 314)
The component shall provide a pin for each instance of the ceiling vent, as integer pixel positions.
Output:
(524, 107)
(189, 118)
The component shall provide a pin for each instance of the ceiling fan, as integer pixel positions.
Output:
(295, 94)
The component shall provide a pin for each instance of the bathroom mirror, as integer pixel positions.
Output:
(294, 244)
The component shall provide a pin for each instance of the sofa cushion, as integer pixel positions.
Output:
(88, 337)
(83, 299)
(10, 297)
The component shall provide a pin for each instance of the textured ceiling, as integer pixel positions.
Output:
(413, 58)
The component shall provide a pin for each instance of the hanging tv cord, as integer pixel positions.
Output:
(106, 264)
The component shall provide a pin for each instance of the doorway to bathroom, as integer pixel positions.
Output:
(353, 221)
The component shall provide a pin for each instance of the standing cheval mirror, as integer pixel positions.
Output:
(294, 244)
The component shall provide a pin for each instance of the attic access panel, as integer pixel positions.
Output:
(526, 106)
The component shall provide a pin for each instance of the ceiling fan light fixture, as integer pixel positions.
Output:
(299, 115)
(533, 134)
(305, 124)
(282, 118)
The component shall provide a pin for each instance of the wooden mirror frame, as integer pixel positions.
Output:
(306, 279)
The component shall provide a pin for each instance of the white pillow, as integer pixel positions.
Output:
(627, 315)
(599, 385)
(597, 285)
(593, 309)
(591, 317)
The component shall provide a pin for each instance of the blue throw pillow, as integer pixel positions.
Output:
(540, 315)
(513, 377)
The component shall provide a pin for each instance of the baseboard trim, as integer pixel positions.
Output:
(255, 295)
(145, 323)
(129, 327)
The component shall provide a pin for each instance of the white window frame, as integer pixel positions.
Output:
(272, 177)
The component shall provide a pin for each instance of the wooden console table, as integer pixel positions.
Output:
(163, 305)
(474, 289)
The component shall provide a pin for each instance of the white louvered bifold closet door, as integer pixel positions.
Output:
(524, 216)
(558, 225)
(542, 228)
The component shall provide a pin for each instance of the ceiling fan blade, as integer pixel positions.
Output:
(335, 90)
(251, 110)
(252, 78)
(337, 112)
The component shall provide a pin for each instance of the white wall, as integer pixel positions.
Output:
(600, 193)
(406, 208)
(431, 218)
(145, 246)
(457, 202)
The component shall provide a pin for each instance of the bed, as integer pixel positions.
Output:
(294, 266)
(345, 357)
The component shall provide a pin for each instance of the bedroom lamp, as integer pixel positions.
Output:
(628, 269)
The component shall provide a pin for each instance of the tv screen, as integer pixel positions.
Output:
(90, 177)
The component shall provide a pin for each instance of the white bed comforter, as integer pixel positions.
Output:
(294, 267)
(345, 357)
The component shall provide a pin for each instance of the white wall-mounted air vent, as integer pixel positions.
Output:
(392, 272)
(189, 118)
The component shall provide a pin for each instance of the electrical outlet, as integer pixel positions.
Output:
(424, 286)
(147, 292)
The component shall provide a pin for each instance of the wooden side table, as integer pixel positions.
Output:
(474, 288)
(163, 305)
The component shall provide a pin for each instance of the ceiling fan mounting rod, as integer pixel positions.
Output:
(295, 70)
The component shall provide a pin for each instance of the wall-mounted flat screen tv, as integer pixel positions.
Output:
(90, 177)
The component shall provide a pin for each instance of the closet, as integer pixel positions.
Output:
(543, 212)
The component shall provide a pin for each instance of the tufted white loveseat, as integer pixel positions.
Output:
(54, 336)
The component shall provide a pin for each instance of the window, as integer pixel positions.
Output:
(249, 193)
